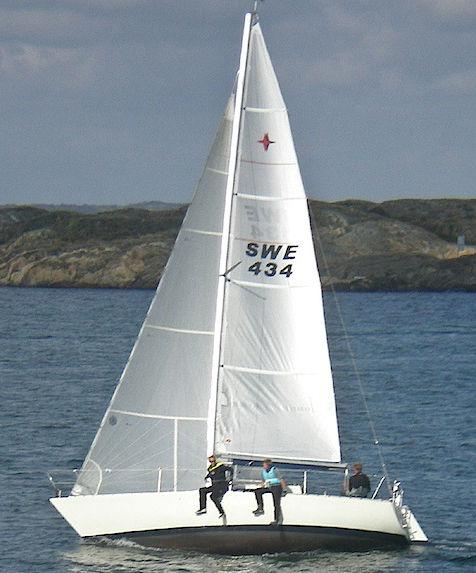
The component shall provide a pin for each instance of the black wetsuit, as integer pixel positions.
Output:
(220, 475)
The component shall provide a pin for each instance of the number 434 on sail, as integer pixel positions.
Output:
(279, 253)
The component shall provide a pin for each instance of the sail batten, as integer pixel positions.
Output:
(260, 285)
(265, 372)
(271, 163)
(219, 171)
(268, 198)
(265, 110)
(181, 330)
(202, 232)
(157, 416)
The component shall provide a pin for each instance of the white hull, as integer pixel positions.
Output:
(168, 519)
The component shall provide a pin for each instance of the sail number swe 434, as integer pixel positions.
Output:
(272, 259)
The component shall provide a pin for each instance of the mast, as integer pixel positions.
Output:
(225, 241)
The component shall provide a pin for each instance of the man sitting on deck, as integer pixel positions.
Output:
(272, 483)
(359, 483)
(217, 473)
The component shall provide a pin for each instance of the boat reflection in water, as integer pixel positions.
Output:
(109, 556)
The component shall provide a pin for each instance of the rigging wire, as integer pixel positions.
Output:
(373, 430)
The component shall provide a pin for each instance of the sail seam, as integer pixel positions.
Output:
(261, 285)
(181, 330)
(268, 162)
(254, 240)
(267, 198)
(265, 109)
(158, 416)
(219, 171)
(200, 232)
(268, 372)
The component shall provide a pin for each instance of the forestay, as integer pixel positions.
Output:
(275, 391)
(153, 435)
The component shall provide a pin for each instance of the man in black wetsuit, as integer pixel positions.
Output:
(220, 475)
(359, 483)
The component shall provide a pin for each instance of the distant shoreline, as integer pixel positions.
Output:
(88, 208)
(325, 290)
(405, 245)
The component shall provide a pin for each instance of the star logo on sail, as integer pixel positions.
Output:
(265, 141)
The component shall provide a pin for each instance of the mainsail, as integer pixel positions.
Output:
(233, 348)
(153, 435)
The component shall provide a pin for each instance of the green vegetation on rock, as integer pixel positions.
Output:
(396, 245)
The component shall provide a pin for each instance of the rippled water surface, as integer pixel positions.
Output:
(61, 352)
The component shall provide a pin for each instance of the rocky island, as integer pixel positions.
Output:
(399, 245)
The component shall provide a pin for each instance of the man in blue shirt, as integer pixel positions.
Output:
(274, 484)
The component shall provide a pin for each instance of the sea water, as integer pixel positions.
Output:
(62, 351)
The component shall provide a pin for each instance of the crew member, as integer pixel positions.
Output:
(220, 475)
(274, 484)
(359, 483)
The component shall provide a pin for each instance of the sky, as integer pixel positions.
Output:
(117, 101)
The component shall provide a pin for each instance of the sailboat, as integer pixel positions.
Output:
(232, 359)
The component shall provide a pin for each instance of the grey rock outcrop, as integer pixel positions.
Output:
(395, 245)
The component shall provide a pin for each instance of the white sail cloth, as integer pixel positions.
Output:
(153, 435)
(275, 391)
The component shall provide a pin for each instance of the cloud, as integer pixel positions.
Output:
(90, 50)
(450, 9)
(32, 70)
(126, 80)
(32, 59)
(340, 18)
(339, 70)
(463, 82)
(60, 27)
(362, 47)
